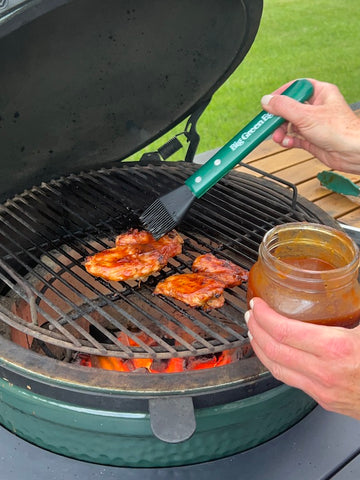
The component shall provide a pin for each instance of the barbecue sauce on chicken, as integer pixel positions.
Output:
(205, 286)
(136, 255)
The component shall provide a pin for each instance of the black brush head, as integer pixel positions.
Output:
(167, 211)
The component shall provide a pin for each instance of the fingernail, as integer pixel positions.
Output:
(247, 316)
(250, 337)
(266, 99)
(251, 303)
(285, 142)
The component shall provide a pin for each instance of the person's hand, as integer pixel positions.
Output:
(325, 126)
(322, 361)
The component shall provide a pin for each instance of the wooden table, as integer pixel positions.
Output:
(301, 168)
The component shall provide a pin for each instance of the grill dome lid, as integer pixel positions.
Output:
(87, 82)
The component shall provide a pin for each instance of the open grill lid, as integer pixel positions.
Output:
(87, 82)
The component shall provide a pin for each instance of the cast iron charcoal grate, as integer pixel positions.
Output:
(47, 232)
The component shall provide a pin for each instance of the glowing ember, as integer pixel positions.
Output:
(172, 365)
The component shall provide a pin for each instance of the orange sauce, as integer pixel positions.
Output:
(341, 309)
(309, 263)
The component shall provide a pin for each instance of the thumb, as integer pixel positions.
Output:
(285, 107)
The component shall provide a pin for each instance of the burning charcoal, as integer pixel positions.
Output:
(173, 365)
(111, 363)
(199, 363)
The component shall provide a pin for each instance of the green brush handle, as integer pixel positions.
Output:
(243, 143)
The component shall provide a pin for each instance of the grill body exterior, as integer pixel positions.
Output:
(122, 438)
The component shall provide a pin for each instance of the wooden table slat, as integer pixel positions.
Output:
(312, 190)
(336, 205)
(280, 160)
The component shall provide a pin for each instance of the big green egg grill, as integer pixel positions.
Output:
(85, 85)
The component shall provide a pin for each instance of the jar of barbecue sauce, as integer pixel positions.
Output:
(308, 272)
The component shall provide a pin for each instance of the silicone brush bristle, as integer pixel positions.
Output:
(157, 220)
(166, 212)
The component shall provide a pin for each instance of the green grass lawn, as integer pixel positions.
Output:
(307, 38)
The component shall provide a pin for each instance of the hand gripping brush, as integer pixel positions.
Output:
(167, 211)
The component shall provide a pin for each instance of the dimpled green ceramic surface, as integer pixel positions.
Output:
(125, 439)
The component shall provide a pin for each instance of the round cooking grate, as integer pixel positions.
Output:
(47, 232)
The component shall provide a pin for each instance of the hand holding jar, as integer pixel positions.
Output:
(308, 273)
(322, 361)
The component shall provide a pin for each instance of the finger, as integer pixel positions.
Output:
(276, 355)
(330, 341)
(291, 141)
(285, 107)
(280, 133)
(324, 394)
(337, 363)
(287, 375)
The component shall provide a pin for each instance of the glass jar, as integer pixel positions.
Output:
(308, 272)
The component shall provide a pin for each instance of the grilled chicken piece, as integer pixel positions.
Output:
(223, 270)
(203, 288)
(136, 255)
(195, 289)
(134, 237)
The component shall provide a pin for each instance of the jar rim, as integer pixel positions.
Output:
(298, 226)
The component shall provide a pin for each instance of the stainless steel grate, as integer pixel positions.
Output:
(46, 233)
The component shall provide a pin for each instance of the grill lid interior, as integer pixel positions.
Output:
(87, 82)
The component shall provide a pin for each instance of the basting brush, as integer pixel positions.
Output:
(167, 211)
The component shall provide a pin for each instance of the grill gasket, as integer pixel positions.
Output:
(42, 229)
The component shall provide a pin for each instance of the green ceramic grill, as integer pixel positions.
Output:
(85, 86)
